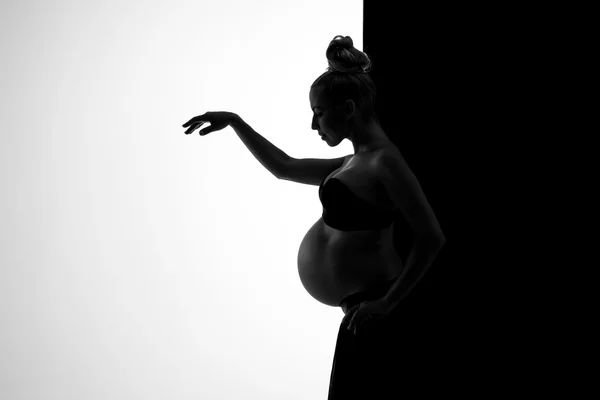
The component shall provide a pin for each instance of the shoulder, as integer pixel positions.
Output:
(388, 162)
(383, 156)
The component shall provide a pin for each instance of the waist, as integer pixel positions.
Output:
(374, 292)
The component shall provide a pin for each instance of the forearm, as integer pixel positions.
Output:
(420, 258)
(271, 157)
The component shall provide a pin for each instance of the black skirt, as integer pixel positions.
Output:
(376, 363)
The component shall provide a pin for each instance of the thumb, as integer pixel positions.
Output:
(350, 316)
(205, 131)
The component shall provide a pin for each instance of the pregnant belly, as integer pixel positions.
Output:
(333, 264)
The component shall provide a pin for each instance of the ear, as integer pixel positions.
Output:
(349, 108)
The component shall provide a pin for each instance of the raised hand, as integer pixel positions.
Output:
(217, 119)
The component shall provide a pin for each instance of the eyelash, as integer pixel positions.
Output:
(318, 115)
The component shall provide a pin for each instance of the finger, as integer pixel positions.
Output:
(198, 125)
(356, 321)
(206, 131)
(361, 320)
(190, 129)
(194, 127)
(194, 120)
(191, 121)
(348, 317)
(355, 318)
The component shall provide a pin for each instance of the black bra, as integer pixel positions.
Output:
(344, 211)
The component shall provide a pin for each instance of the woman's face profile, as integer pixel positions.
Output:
(326, 120)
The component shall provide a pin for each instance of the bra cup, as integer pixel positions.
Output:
(343, 210)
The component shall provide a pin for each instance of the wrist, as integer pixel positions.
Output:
(235, 120)
(390, 303)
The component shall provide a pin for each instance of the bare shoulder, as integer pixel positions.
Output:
(384, 154)
(389, 159)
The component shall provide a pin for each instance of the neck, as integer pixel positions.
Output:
(368, 137)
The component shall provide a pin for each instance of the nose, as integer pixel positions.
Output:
(314, 124)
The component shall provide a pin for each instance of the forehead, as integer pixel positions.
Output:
(316, 99)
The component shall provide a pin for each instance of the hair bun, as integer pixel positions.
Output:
(342, 57)
(344, 42)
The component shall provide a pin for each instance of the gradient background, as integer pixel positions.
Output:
(140, 263)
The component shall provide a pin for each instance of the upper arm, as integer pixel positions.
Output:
(404, 190)
(310, 171)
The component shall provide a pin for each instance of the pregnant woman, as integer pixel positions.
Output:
(347, 258)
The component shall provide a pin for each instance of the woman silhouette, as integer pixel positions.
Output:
(347, 258)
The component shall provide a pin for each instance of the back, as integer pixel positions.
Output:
(311, 171)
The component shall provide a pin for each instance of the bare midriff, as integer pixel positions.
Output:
(334, 264)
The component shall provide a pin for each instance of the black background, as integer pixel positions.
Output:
(453, 88)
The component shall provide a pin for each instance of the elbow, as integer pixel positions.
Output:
(441, 238)
(435, 237)
(281, 169)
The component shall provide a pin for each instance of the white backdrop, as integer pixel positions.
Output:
(138, 262)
